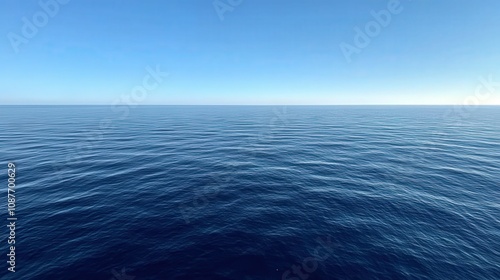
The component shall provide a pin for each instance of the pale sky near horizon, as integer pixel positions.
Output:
(255, 52)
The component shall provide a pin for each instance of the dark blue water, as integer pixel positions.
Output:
(253, 192)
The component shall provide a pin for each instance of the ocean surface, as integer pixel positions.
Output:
(252, 192)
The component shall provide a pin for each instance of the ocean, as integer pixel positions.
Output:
(251, 192)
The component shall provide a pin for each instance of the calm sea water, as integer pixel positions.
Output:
(235, 192)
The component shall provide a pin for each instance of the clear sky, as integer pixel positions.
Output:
(253, 52)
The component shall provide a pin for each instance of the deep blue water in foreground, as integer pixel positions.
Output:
(235, 192)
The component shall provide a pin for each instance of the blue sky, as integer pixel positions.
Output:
(253, 52)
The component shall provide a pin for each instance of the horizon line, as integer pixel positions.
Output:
(146, 105)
